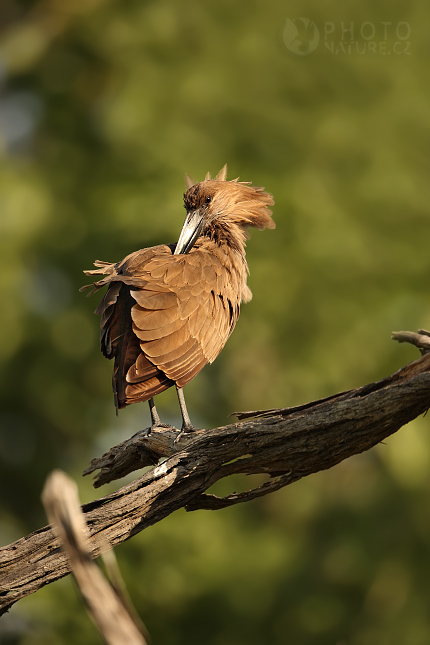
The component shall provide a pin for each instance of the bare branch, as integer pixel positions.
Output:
(420, 339)
(61, 501)
(285, 444)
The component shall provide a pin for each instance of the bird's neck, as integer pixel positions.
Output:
(231, 236)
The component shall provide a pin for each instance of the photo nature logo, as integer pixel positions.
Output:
(301, 36)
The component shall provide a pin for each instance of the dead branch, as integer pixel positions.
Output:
(286, 444)
(421, 339)
(109, 613)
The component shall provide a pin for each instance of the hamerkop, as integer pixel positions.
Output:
(170, 309)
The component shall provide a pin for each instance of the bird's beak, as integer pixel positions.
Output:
(191, 230)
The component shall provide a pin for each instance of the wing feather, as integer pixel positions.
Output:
(172, 273)
(178, 370)
(198, 319)
(188, 307)
(164, 334)
(141, 369)
(154, 299)
(156, 348)
(150, 319)
(191, 273)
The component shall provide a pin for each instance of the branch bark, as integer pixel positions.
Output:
(286, 444)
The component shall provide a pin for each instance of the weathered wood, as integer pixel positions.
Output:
(420, 339)
(286, 444)
(104, 603)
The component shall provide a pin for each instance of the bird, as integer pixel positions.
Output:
(169, 309)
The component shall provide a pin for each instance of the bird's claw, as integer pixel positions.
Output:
(162, 425)
(184, 432)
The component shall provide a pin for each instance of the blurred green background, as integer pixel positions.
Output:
(104, 105)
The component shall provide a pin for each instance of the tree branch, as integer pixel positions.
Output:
(105, 605)
(286, 444)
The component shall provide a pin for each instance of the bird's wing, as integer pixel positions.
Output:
(182, 316)
(164, 317)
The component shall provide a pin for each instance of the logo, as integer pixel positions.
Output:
(384, 38)
(301, 36)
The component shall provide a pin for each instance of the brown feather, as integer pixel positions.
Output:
(176, 353)
(177, 370)
(164, 332)
(165, 345)
(141, 370)
(191, 273)
(188, 181)
(150, 319)
(136, 392)
(154, 300)
(172, 273)
(188, 307)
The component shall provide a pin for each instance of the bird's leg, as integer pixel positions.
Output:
(155, 417)
(187, 426)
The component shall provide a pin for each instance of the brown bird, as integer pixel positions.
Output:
(170, 309)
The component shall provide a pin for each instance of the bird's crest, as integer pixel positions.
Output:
(221, 176)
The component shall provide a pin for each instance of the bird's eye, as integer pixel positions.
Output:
(208, 199)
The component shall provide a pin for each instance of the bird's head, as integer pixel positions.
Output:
(223, 210)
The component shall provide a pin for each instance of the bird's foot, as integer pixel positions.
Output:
(162, 425)
(186, 430)
(146, 432)
(188, 427)
(157, 425)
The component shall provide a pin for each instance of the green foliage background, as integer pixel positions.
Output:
(104, 104)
